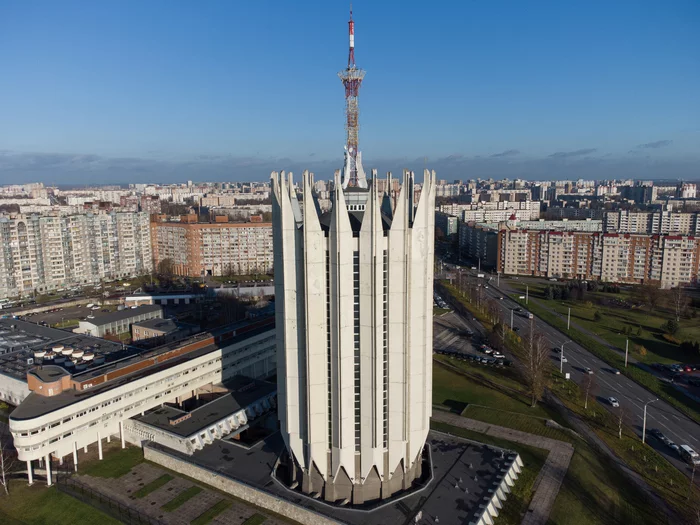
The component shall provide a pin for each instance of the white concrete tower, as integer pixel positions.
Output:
(354, 295)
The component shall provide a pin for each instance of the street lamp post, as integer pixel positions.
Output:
(561, 358)
(644, 423)
(627, 349)
(511, 319)
(498, 279)
(568, 320)
(527, 294)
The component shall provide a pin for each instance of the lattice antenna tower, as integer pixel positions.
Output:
(351, 78)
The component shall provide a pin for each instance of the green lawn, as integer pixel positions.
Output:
(39, 505)
(453, 390)
(211, 513)
(440, 311)
(590, 477)
(665, 391)
(255, 519)
(115, 464)
(152, 486)
(614, 319)
(181, 498)
(666, 479)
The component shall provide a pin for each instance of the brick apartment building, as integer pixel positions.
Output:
(213, 248)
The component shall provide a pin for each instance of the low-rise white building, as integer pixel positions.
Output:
(67, 412)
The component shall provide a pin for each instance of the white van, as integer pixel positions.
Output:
(689, 455)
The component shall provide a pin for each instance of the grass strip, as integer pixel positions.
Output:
(666, 392)
(152, 486)
(669, 482)
(39, 505)
(115, 464)
(255, 519)
(211, 513)
(181, 498)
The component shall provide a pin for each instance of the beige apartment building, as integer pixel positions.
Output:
(40, 253)
(666, 260)
(213, 248)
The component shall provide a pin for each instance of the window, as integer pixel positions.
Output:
(356, 327)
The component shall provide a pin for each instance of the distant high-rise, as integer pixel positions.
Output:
(354, 296)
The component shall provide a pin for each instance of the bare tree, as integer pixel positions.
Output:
(678, 300)
(535, 363)
(589, 386)
(651, 295)
(8, 457)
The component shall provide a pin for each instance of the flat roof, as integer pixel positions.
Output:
(162, 325)
(244, 391)
(465, 474)
(35, 405)
(19, 339)
(120, 315)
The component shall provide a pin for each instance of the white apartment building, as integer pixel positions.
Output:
(660, 222)
(65, 413)
(354, 291)
(40, 253)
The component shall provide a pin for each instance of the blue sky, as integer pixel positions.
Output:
(118, 91)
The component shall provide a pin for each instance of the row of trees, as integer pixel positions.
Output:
(532, 349)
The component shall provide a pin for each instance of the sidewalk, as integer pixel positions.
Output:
(551, 476)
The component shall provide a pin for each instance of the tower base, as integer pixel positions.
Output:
(341, 491)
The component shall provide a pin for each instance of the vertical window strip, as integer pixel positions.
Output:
(385, 371)
(356, 329)
(328, 349)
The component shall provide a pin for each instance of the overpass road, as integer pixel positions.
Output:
(675, 425)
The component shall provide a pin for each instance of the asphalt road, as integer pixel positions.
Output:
(631, 396)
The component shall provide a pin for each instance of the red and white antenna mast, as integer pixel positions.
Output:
(351, 77)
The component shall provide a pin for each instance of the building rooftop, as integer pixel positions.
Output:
(19, 340)
(121, 315)
(243, 392)
(35, 405)
(162, 325)
(465, 475)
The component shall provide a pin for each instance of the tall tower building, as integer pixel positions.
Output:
(354, 296)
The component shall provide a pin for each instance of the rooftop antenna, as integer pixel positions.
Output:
(352, 77)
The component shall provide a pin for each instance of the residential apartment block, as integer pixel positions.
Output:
(212, 248)
(40, 253)
(664, 222)
(666, 260)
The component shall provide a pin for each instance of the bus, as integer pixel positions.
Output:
(4, 303)
(689, 455)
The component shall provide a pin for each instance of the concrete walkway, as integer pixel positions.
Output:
(551, 476)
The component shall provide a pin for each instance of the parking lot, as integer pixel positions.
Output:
(59, 315)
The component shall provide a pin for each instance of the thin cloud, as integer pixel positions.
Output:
(655, 145)
(575, 153)
(506, 153)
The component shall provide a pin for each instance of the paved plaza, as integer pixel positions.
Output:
(122, 488)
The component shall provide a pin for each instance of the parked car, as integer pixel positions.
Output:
(613, 402)
(587, 370)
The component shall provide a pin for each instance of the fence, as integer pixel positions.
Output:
(124, 513)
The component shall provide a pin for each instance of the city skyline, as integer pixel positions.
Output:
(124, 93)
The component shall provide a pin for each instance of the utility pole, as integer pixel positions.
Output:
(644, 424)
(561, 358)
(627, 348)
